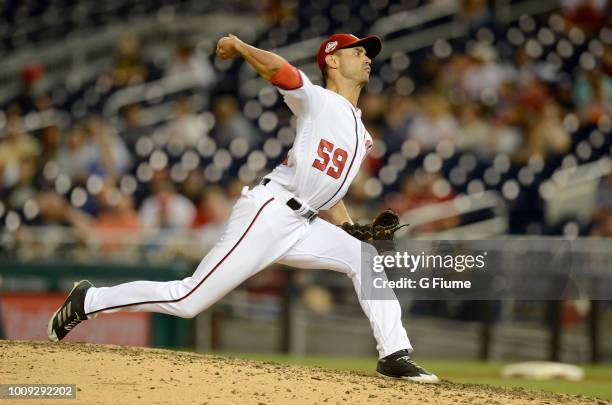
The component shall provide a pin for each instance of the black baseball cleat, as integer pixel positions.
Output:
(70, 314)
(400, 365)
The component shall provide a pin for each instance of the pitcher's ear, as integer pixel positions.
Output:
(331, 61)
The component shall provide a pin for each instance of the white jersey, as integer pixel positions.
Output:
(331, 143)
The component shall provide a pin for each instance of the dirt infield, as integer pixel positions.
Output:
(105, 374)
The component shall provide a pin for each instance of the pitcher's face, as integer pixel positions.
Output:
(354, 64)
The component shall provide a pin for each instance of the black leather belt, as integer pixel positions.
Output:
(295, 205)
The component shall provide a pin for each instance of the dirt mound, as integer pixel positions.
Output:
(105, 374)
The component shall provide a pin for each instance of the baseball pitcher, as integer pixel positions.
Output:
(278, 220)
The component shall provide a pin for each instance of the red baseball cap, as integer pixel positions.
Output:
(372, 45)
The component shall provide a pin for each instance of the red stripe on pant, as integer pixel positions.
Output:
(202, 281)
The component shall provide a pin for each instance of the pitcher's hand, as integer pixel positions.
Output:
(227, 47)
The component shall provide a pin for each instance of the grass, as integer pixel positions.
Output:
(595, 384)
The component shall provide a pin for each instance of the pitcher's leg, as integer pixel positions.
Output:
(245, 247)
(328, 247)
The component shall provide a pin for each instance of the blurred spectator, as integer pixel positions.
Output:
(475, 133)
(16, 146)
(234, 189)
(230, 124)
(188, 62)
(532, 97)
(602, 218)
(398, 119)
(429, 70)
(213, 209)
(129, 68)
(32, 96)
(187, 128)
(133, 126)
(24, 189)
(476, 14)
(484, 75)
(50, 142)
(53, 209)
(113, 156)
(78, 156)
(525, 68)
(116, 211)
(544, 135)
(93, 150)
(116, 222)
(525, 71)
(373, 107)
(449, 77)
(435, 122)
(505, 139)
(166, 208)
(417, 191)
(277, 11)
(193, 185)
(606, 62)
(588, 15)
(593, 95)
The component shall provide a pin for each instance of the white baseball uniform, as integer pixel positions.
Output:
(330, 145)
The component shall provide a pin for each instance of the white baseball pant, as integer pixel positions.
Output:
(261, 230)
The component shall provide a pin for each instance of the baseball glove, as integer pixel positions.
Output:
(361, 232)
(383, 227)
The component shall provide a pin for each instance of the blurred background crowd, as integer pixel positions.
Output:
(121, 133)
(499, 108)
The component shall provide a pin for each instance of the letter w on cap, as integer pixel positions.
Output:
(331, 46)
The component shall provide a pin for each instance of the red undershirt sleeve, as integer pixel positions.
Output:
(287, 77)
